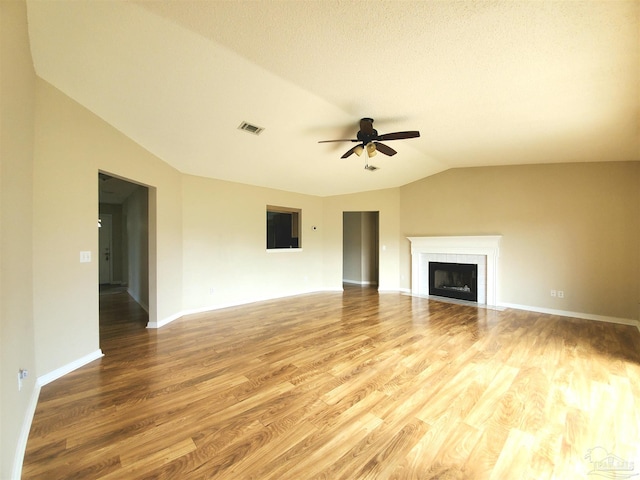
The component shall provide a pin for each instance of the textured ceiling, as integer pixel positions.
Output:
(486, 83)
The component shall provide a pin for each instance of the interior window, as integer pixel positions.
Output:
(283, 227)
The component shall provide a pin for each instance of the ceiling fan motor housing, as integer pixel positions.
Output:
(367, 133)
(366, 138)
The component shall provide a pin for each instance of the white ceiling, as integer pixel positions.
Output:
(485, 82)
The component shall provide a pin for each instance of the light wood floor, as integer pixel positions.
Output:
(355, 385)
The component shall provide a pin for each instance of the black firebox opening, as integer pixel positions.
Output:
(454, 280)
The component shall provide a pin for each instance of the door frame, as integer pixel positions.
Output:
(152, 261)
(371, 243)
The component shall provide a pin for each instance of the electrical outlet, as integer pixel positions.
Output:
(554, 293)
(212, 290)
(560, 293)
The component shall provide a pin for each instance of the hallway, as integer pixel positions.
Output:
(120, 315)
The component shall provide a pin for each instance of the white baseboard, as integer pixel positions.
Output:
(33, 403)
(21, 447)
(211, 308)
(358, 282)
(164, 321)
(551, 311)
(584, 316)
(407, 291)
(69, 367)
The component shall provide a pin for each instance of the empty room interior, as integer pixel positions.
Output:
(323, 239)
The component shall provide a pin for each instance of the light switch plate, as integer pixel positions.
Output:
(85, 257)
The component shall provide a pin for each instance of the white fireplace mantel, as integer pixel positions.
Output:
(456, 249)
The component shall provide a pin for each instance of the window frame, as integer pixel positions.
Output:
(296, 228)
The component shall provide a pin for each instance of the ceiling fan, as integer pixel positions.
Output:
(369, 139)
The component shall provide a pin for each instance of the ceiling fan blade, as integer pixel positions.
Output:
(382, 148)
(366, 126)
(398, 135)
(341, 140)
(350, 152)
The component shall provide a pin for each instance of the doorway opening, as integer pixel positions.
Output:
(123, 251)
(360, 240)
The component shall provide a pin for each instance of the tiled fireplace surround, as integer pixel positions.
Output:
(482, 251)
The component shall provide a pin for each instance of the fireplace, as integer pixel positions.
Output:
(481, 251)
(454, 280)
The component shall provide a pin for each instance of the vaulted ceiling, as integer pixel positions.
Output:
(486, 83)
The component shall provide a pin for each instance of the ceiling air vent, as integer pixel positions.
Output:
(247, 127)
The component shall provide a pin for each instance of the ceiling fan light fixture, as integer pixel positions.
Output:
(358, 150)
(371, 149)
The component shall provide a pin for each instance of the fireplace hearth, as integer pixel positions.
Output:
(454, 280)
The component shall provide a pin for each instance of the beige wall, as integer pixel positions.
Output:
(72, 144)
(570, 227)
(369, 249)
(136, 210)
(225, 256)
(17, 346)
(351, 247)
(360, 248)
